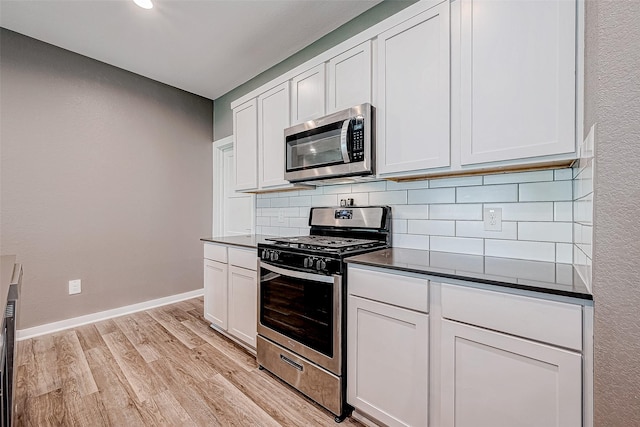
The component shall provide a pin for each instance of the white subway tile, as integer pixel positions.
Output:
(476, 229)
(455, 182)
(564, 274)
(298, 222)
(410, 241)
(388, 198)
(435, 195)
(457, 244)
(564, 253)
(359, 199)
(304, 212)
(487, 193)
(537, 251)
(584, 210)
(300, 201)
(258, 229)
(269, 212)
(303, 231)
(538, 211)
(285, 193)
(288, 231)
(271, 231)
(545, 231)
(508, 178)
(364, 187)
(280, 202)
(410, 212)
(399, 226)
(263, 220)
(563, 211)
(311, 192)
(546, 191)
(291, 212)
(407, 185)
(462, 212)
(263, 203)
(336, 189)
(563, 174)
(431, 227)
(324, 200)
(278, 222)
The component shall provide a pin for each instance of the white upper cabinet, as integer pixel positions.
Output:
(273, 118)
(308, 95)
(413, 94)
(245, 131)
(516, 64)
(350, 78)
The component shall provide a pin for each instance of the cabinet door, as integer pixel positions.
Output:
(517, 68)
(387, 356)
(273, 118)
(350, 78)
(490, 379)
(413, 93)
(245, 131)
(307, 95)
(215, 293)
(243, 304)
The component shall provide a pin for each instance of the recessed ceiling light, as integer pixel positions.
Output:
(145, 4)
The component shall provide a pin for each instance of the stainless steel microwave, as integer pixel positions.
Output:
(334, 146)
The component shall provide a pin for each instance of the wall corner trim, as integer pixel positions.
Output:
(49, 328)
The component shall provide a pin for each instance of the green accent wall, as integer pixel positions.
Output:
(222, 119)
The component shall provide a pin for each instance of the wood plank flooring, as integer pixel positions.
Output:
(160, 367)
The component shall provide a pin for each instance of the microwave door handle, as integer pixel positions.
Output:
(343, 141)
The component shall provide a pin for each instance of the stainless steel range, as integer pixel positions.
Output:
(302, 297)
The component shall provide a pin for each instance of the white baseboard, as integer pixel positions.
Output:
(23, 334)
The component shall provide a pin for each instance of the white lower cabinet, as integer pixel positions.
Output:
(388, 362)
(388, 346)
(231, 291)
(421, 352)
(243, 304)
(490, 379)
(215, 293)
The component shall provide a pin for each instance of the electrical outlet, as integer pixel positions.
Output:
(75, 286)
(493, 219)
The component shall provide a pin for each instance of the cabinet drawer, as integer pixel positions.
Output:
(541, 320)
(215, 252)
(396, 289)
(244, 258)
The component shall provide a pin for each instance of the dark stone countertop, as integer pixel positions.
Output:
(546, 277)
(247, 241)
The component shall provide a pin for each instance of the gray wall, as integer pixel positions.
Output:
(106, 177)
(613, 103)
(222, 120)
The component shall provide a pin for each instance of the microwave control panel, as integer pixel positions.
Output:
(357, 139)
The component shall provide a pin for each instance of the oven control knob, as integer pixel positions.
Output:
(308, 262)
(321, 265)
(265, 254)
(275, 255)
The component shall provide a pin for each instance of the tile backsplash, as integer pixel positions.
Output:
(446, 214)
(583, 173)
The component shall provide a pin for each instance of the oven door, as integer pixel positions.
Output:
(303, 313)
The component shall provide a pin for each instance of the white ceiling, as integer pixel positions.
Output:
(207, 47)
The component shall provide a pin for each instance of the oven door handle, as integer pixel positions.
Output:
(297, 274)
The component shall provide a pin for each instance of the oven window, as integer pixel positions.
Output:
(299, 309)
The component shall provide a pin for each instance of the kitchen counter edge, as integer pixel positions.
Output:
(417, 261)
(246, 241)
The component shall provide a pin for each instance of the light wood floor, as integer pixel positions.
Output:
(163, 366)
